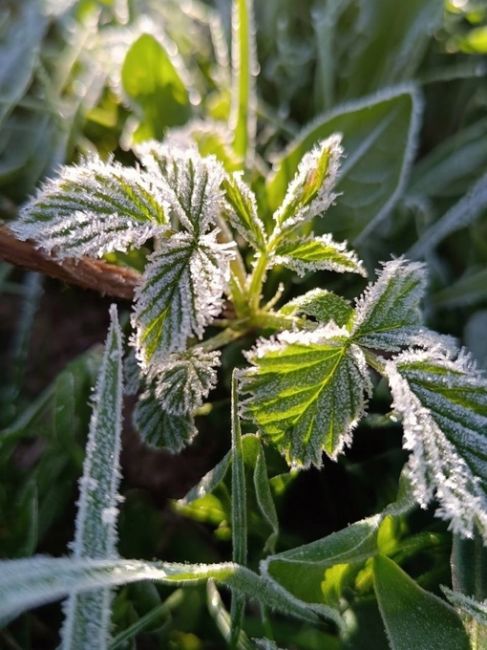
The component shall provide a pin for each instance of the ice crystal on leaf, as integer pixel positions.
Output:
(388, 312)
(443, 403)
(180, 293)
(92, 209)
(307, 392)
(189, 183)
(317, 254)
(183, 381)
(243, 213)
(158, 428)
(310, 192)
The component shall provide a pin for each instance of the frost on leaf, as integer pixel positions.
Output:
(189, 183)
(161, 429)
(180, 293)
(317, 254)
(388, 314)
(443, 404)
(243, 210)
(310, 192)
(87, 615)
(184, 380)
(92, 209)
(321, 304)
(307, 392)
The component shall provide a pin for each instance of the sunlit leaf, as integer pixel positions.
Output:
(152, 82)
(310, 193)
(317, 254)
(243, 210)
(307, 392)
(323, 305)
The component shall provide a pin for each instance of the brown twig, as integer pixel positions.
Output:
(107, 279)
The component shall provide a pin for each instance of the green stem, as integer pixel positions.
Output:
(374, 361)
(239, 512)
(257, 280)
(227, 336)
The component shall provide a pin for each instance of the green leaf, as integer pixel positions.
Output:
(443, 404)
(93, 209)
(390, 43)
(223, 620)
(153, 83)
(469, 289)
(307, 392)
(300, 570)
(317, 254)
(388, 314)
(239, 510)
(413, 617)
(182, 382)
(87, 615)
(476, 614)
(160, 429)
(310, 193)
(32, 582)
(19, 50)
(243, 120)
(449, 169)
(264, 499)
(321, 304)
(243, 211)
(190, 184)
(180, 293)
(379, 140)
(469, 208)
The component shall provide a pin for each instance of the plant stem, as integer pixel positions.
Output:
(257, 280)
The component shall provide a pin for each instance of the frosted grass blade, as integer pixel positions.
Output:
(87, 616)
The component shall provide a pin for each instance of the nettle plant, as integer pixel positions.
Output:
(306, 387)
(208, 244)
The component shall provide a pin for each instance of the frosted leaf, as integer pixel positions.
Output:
(388, 312)
(80, 234)
(93, 208)
(243, 210)
(310, 192)
(180, 293)
(131, 374)
(161, 429)
(189, 183)
(87, 615)
(468, 605)
(318, 254)
(443, 403)
(321, 304)
(307, 392)
(182, 382)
